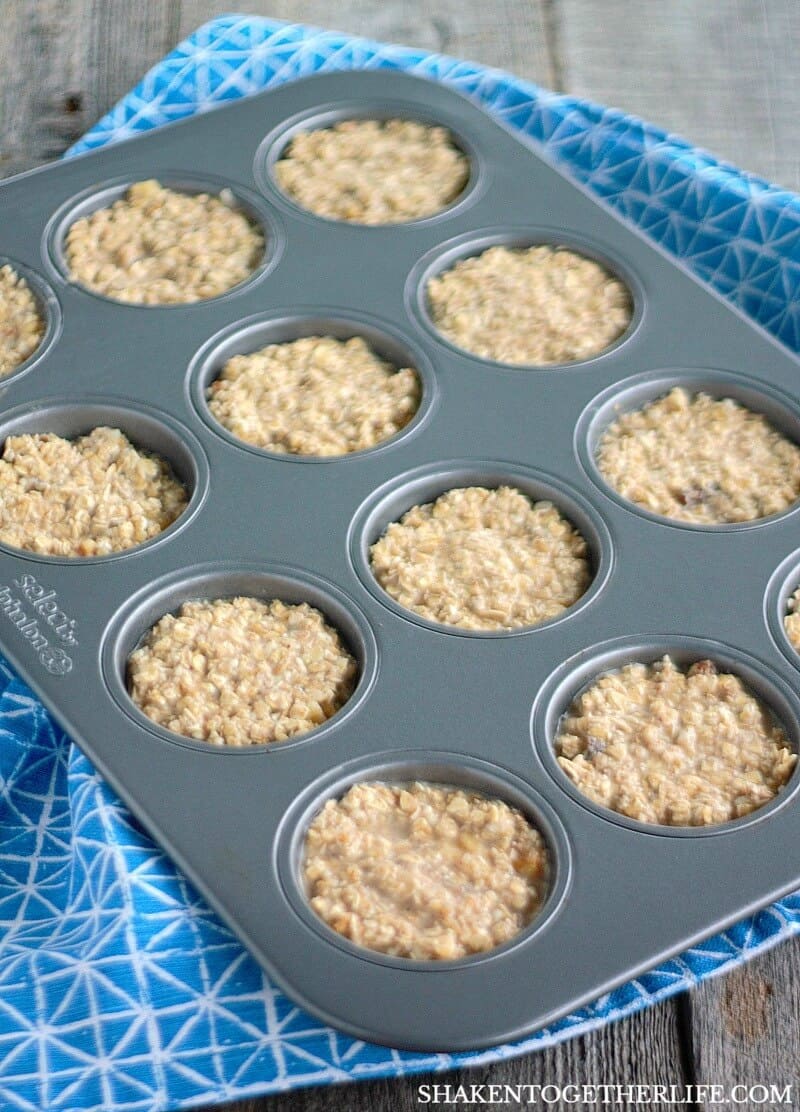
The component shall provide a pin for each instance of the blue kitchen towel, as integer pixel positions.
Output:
(119, 988)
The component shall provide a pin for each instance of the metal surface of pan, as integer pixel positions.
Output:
(431, 703)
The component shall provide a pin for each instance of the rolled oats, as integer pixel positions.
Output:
(791, 621)
(483, 559)
(676, 748)
(241, 671)
(424, 871)
(373, 171)
(536, 305)
(314, 396)
(700, 459)
(21, 325)
(156, 246)
(90, 496)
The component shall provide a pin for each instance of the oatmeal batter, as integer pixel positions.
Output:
(483, 559)
(373, 171)
(536, 305)
(241, 671)
(316, 396)
(90, 496)
(422, 871)
(700, 459)
(676, 748)
(21, 326)
(792, 620)
(156, 246)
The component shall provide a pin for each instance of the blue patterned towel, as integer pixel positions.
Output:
(119, 988)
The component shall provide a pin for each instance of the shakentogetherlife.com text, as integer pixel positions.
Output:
(618, 1096)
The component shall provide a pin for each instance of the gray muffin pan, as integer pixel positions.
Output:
(444, 705)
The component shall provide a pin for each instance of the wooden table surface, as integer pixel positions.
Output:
(723, 73)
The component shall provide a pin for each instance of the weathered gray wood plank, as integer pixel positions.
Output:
(724, 74)
(643, 1049)
(507, 33)
(63, 63)
(744, 1025)
(42, 91)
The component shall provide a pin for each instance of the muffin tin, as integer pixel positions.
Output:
(474, 709)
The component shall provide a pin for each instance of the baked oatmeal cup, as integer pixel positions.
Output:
(241, 671)
(314, 396)
(161, 246)
(424, 871)
(21, 325)
(672, 746)
(373, 171)
(529, 306)
(480, 558)
(89, 496)
(700, 460)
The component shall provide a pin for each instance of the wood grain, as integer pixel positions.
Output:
(722, 74)
(507, 33)
(43, 100)
(55, 81)
(744, 1024)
